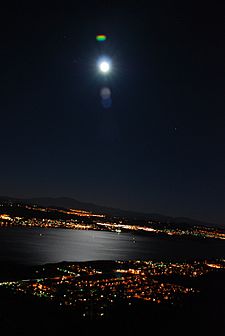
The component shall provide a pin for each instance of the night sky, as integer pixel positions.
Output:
(158, 148)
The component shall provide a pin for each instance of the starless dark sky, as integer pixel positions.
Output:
(159, 148)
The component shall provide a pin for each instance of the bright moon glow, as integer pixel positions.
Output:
(104, 66)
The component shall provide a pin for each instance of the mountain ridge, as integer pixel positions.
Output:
(69, 202)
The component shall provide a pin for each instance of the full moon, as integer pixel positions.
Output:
(104, 66)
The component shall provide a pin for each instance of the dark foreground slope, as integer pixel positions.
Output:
(204, 314)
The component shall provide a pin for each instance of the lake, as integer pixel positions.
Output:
(39, 246)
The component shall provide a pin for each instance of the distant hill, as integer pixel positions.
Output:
(66, 202)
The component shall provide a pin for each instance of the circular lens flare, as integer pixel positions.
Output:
(101, 38)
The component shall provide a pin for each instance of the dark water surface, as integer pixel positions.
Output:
(39, 246)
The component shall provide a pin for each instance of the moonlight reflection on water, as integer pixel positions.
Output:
(39, 246)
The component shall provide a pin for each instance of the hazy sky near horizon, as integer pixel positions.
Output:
(159, 147)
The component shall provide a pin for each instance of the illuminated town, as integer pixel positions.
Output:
(36, 216)
(92, 288)
(110, 290)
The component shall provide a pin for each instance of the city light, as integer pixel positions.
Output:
(77, 219)
(92, 290)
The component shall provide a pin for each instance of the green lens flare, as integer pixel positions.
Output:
(100, 38)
